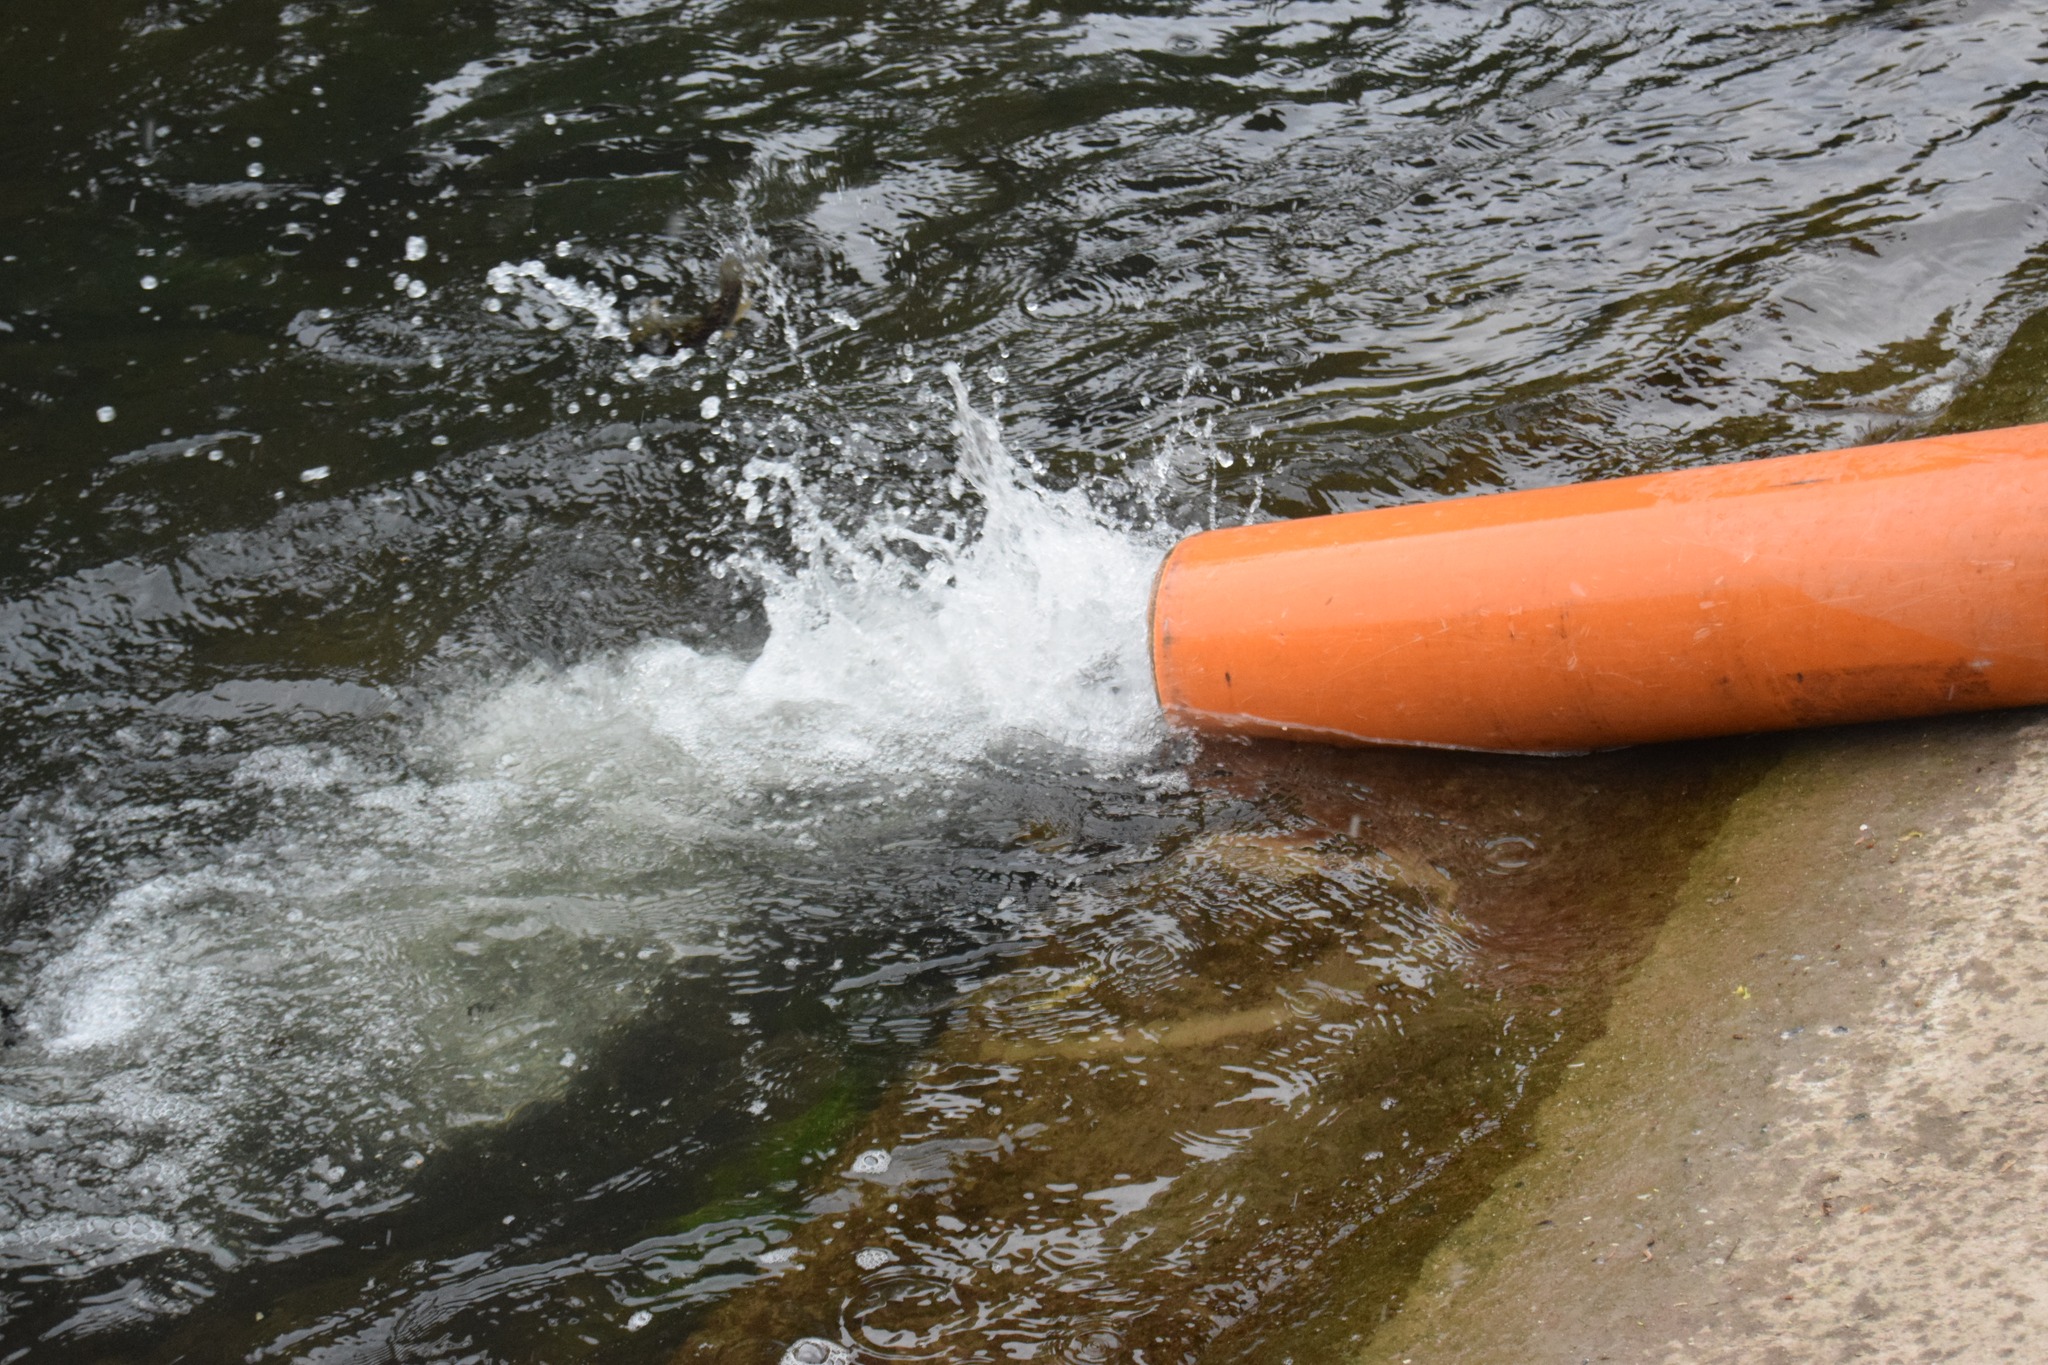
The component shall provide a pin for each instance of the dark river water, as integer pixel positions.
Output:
(524, 848)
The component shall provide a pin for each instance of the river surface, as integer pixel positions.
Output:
(523, 848)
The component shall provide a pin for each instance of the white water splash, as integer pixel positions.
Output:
(545, 299)
(314, 992)
(893, 657)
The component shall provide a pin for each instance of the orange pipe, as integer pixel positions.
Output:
(1867, 584)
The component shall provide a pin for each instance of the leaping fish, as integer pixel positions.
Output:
(656, 330)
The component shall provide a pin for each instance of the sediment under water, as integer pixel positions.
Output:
(496, 823)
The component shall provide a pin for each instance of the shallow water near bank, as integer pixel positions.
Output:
(497, 824)
(1227, 1105)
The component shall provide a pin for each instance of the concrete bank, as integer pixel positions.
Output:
(1816, 1127)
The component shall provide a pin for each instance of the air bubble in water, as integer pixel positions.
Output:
(415, 248)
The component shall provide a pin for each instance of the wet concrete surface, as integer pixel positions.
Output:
(1814, 1127)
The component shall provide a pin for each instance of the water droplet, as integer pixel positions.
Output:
(415, 248)
(709, 407)
(255, 170)
(105, 414)
(417, 289)
(149, 281)
(639, 1320)
(254, 141)
(334, 196)
(315, 474)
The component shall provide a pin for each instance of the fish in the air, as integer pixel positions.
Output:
(656, 330)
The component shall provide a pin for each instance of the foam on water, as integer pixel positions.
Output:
(283, 1028)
